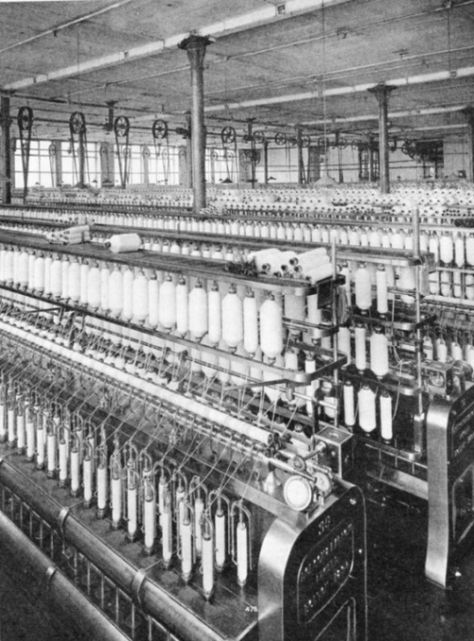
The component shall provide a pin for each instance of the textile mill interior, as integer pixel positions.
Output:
(237, 320)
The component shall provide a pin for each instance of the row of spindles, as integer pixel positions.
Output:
(170, 511)
(220, 314)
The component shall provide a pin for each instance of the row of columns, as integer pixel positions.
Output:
(195, 47)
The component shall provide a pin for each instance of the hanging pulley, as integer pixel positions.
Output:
(305, 141)
(77, 123)
(228, 135)
(122, 130)
(25, 126)
(280, 139)
(25, 118)
(259, 137)
(159, 129)
(121, 126)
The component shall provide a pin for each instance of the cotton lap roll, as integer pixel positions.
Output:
(367, 409)
(319, 273)
(271, 328)
(167, 303)
(124, 243)
(285, 260)
(140, 297)
(214, 314)
(250, 323)
(273, 263)
(260, 257)
(198, 312)
(310, 259)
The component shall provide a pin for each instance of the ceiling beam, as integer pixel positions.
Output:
(435, 76)
(55, 29)
(259, 17)
(408, 113)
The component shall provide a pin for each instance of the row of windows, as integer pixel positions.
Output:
(53, 163)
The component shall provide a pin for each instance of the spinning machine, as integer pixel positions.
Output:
(167, 447)
(257, 364)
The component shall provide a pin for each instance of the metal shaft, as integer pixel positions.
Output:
(83, 616)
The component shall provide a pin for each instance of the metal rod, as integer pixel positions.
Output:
(61, 593)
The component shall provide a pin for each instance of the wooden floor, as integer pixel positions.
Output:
(403, 606)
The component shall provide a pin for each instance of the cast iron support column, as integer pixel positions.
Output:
(253, 152)
(299, 144)
(265, 161)
(195, 47)
(469, 113)
(381, 92)
(5, 151)
(189, 152)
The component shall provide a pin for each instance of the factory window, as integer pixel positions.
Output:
(40, 169)
(71, 165)
(164, 165)
(132, 165)
(368, 161)
(220, 166)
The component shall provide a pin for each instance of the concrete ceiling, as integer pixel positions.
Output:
(282, 63)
